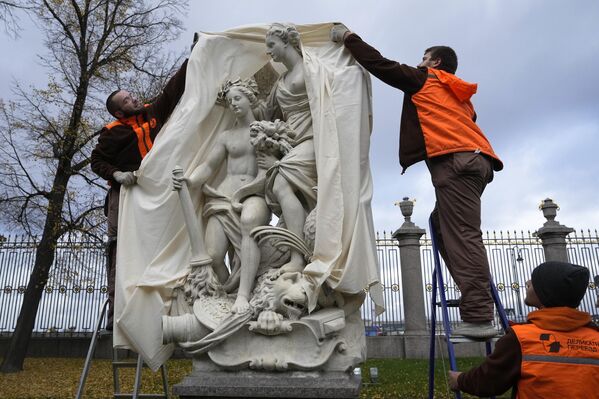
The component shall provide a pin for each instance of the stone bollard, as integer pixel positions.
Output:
(553, 234)
(408, 240)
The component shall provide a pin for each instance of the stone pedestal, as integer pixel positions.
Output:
(251, 364)
(252, 384)
(408, 241)
(417, 345)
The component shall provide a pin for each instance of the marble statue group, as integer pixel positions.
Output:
(250, 237)
(245, 236)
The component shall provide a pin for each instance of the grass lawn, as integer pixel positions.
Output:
(59, 378)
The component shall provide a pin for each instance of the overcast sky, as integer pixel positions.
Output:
(536, 64)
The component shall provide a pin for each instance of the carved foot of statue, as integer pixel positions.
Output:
(241, 305)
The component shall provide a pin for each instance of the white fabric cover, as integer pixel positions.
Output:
(153, 245)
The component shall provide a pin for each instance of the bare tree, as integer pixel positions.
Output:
(46, 186)
(9, 17)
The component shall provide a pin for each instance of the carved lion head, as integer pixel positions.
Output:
(283, 294)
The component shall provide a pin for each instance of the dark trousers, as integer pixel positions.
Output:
(459, 180)
(112, 213)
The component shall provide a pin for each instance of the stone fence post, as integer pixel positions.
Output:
(408, 240)
(553, 234)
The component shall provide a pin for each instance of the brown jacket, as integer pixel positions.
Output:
(503, 369)
(123, 144)
(437, 117)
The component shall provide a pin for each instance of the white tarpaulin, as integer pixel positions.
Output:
(153, 245)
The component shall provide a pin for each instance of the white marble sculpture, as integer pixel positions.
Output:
(226, 225)
(230, 288)
(266, 162)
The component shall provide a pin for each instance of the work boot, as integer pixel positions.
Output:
(475, 330)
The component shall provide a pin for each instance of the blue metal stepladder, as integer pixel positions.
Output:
(438, 283)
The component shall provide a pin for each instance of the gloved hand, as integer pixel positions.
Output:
(124, 178)
(337, 32)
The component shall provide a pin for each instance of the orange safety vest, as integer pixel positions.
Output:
(558, 364)
(141, 128)
(446, 116)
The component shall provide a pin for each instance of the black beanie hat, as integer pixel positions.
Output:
(560, 283)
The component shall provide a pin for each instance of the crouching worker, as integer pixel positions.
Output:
(554, 355)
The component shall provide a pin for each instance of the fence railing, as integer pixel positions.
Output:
(77, 284)
(73, 294)
(512, 257)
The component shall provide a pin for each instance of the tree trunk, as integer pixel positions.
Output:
(44, 257)
(101, 37)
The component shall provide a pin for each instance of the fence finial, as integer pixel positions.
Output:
(553, 234)
(549, 209)
(407, 208)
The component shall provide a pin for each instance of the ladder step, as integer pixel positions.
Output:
(122, 363)
(451, 303)
(458, 339)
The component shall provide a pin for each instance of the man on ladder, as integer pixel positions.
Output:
(438, 126)
(554, 355)
(121, 147)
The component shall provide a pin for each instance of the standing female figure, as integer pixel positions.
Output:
(291, 180)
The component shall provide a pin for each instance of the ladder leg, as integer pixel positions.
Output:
(431, 358)
(138, 364)
(488, 350)
(116, 383)
(488, 347)
(90, 351)
(499, 306)
(441, 286)
(502, 315)
(446, 326)
(164, 380)
(138, 370)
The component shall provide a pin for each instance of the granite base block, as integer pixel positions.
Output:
(251, 384)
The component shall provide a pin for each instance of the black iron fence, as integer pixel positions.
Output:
(73, 295)
(77, 284)
(512, 257)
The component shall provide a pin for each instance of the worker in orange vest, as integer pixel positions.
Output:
(554, 355)
(121, 147)
(438, 126)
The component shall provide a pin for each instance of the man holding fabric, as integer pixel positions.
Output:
(438, 127)
(121, 147)
(555, 354)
